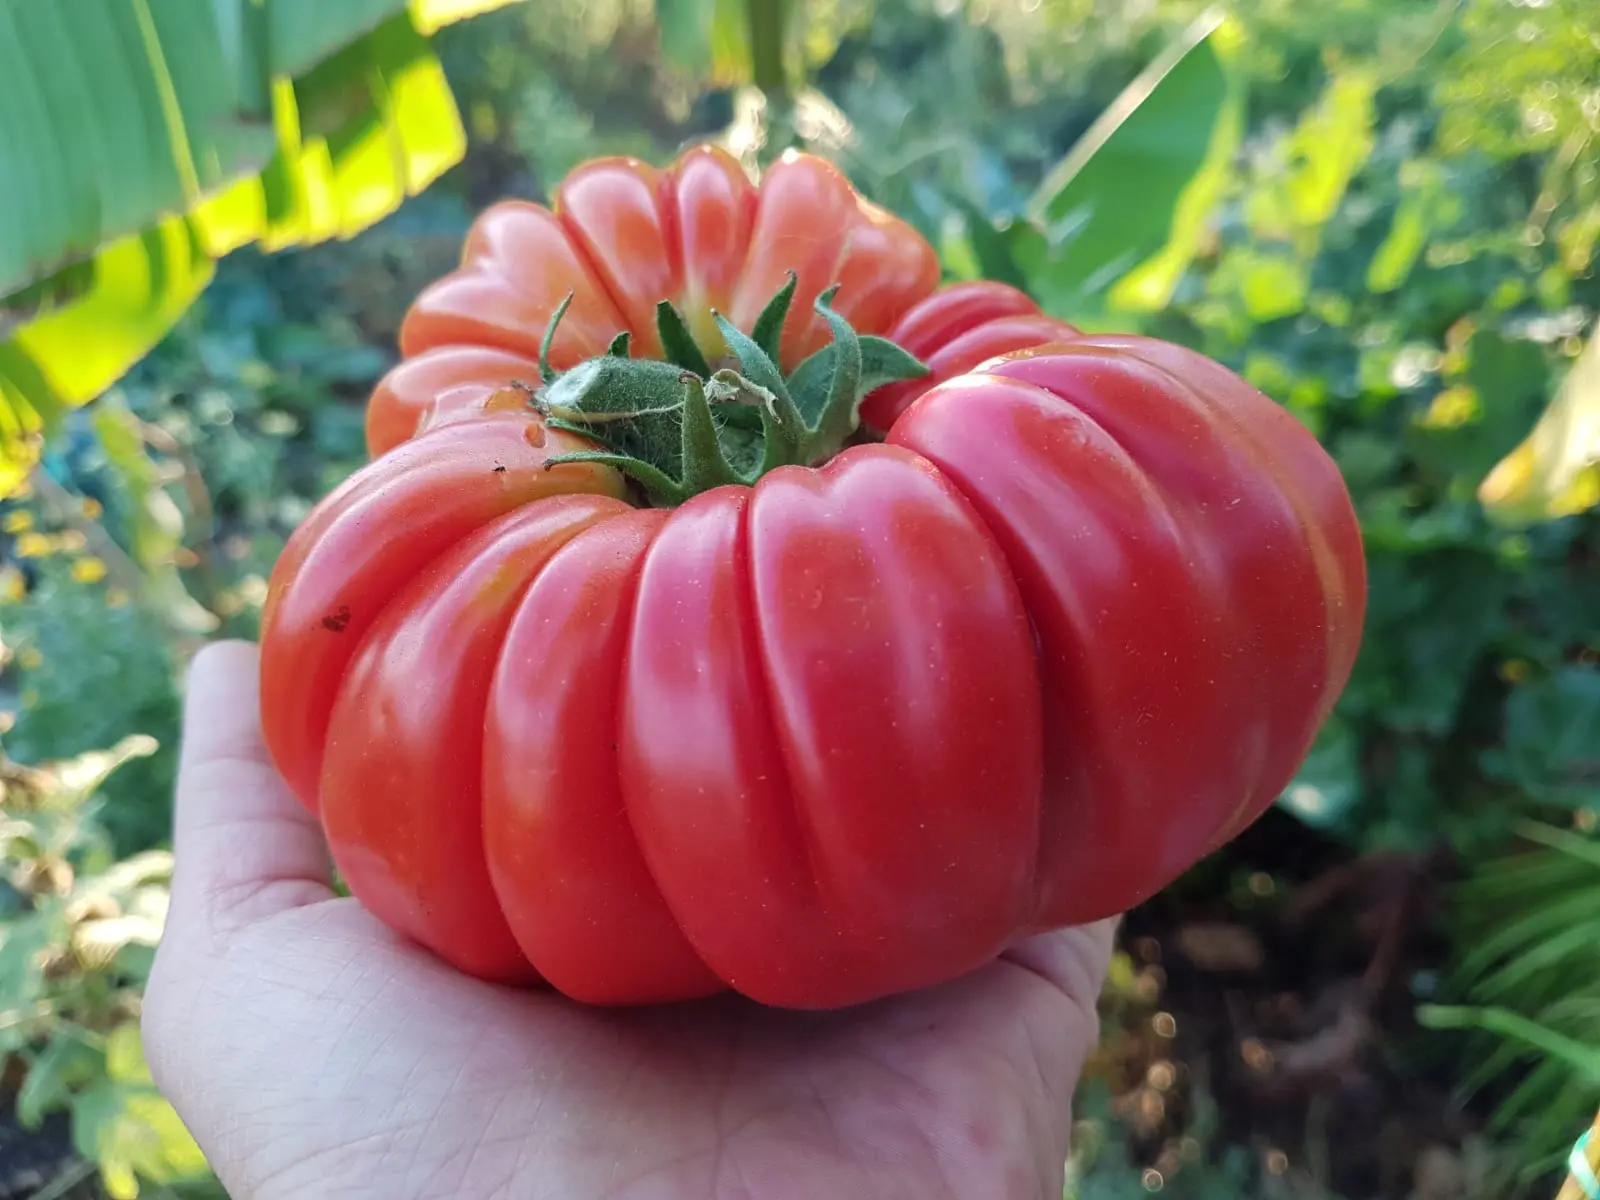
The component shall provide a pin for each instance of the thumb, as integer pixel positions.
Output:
(244, 849)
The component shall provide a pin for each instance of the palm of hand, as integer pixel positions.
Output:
(313, 1053)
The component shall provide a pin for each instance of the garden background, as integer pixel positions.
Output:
(1385, 213)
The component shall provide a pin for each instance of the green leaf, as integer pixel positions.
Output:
(132, 1133)
(1090, 223)
(973, 246)
(1424, 201)
(64, 1065)
(1582, 1059)
(1149, 287)
(353, 137)
(1328, 782)
(1330, 145)
(124, 1126)
(430, 16)
(767, 332)
(67, 355)
(1272, 286)
(155, 531)
(882, 362)
(22, 942)
(386, 127)
(678, 344)
(685, 27)
(1555, 471)
(114, 118)
(1552, 735)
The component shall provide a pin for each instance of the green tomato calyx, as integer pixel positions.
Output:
(679, 427)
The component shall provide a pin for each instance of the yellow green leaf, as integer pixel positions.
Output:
(433, 15)
(1555, 471)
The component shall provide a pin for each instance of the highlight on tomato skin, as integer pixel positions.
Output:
(586, 700)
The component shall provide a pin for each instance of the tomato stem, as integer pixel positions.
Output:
(677, 428)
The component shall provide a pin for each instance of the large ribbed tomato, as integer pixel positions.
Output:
(840, 719)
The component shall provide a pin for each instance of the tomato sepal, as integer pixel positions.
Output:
(677, 343)
(676, 433)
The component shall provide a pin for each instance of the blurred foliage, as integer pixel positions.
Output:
(1530, 922)
(1393, 232)
(143, 143)
(81, 926)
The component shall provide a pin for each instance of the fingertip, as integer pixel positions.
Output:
(224, 658)
(239, 835)
(222, 705)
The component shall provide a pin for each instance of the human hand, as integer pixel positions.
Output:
(314, 1053)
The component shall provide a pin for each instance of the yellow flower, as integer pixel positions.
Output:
(89, 570)
(34, 545)
(19, 521)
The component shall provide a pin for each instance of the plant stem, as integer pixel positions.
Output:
(768, 20)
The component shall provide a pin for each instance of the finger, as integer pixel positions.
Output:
(244, 848)
(1074, 960)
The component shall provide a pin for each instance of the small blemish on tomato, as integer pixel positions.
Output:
(499, 468)
(337, 620)
(534, 434)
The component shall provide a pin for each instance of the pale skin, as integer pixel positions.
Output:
(313, 1054)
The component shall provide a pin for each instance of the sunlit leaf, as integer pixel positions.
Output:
(354, 137)
(1555, 471)
(118, 113)
(1149, 287)
(1425, 205)
(430, 16)
(125, 1127)
(86, 772)
(69, 354)
(1329, 145)
(1092, 224)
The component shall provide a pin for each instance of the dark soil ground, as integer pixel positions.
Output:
(1274, 1011)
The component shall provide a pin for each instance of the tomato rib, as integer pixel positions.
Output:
(518, 264)
(714, 205)
(611, 211)
(394, 748)
(802, 206)
(956, 308)
(706, 788)
(1292, 457)
(344, 564)
(899, 664)
(1236, 534)
(886, 268)
(963, 352)
(1127, 635)
(563, 857)
(442, 384)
